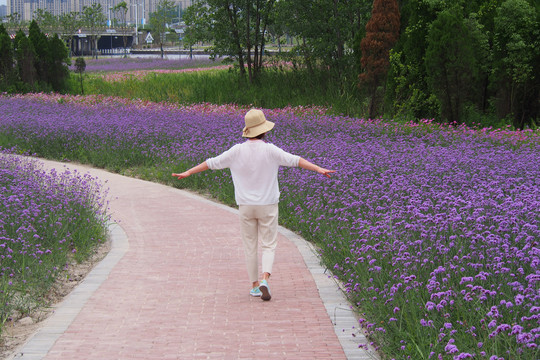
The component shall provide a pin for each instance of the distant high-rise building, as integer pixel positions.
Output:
(3, 11)
(138, 10)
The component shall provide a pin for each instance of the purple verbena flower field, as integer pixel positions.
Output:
(47, 220)
(432, 229)
(133, 68)
(137, 63)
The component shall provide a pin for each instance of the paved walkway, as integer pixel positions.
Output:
(175, 286)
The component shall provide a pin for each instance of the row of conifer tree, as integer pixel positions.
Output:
(33, 62)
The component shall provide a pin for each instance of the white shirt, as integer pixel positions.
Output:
(254, 168)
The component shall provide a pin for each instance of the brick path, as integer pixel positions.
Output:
(175, 286)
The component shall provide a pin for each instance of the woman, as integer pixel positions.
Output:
(254, 168)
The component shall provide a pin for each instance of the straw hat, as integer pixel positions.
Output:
(256, 124)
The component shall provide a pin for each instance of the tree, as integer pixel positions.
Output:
(517, 61)
(406, 89)
(121, 9)
(237, 27)
(69, 23)
(485, 14)
(14, 20)
(451, 63)
(226, 21)
(255, 34)
(382, 32)
(277, 27)
(57, 64)
(6, 57)
(41, 50)
(46, 20)
(80, 67)
(197, 20)
(160, 19)
(24, 56)
(94, 19)
(327, 30)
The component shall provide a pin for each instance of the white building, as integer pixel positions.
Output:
(138, 10)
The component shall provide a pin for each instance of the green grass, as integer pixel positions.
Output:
(273, 89)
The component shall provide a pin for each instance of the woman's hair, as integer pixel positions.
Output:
(260, 137)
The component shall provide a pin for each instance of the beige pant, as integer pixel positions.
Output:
(259, 222)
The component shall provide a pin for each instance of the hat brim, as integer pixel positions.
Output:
(257, 130)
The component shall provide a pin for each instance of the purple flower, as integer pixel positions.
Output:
(450, 348)
(454, 206)
(516, 330)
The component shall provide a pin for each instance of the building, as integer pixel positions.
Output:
(138, 10)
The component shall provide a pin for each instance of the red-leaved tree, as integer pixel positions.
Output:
(382, 32)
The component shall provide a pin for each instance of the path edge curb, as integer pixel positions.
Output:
(337, 306)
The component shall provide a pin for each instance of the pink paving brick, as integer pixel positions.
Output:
(181, 289)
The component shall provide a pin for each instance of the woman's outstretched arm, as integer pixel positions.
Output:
(196, 169)
(304, 164)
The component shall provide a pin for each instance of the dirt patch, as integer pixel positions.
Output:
(17, 331)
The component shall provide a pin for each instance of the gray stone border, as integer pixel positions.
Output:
(39, 344)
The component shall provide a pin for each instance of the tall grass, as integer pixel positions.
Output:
(274, 88)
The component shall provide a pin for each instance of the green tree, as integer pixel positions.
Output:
(94, 19)
(485, 15)
(256, 24)
(198, 25)
(451, 63)
(57, 64)
(69, 24)
(46, 20)
(160, 19)
(13, 20)
(6, 57)
(327, 30)
(517, 61)
(80, 67)
(24, 56)
(121, 9)
(277, 26)
(227, 28)
(382, 32)
(407, 90)
(238, 29)
(41, 50)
